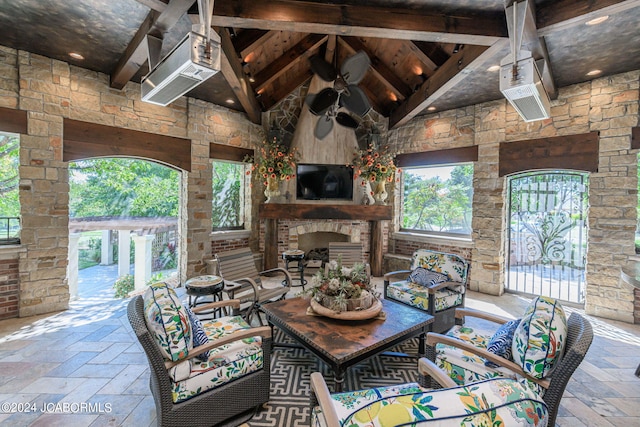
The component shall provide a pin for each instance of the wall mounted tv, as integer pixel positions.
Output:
(321, 182)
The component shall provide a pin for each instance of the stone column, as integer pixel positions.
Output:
(124, 249)
(72, 267)
(106, 258)
(142, 263)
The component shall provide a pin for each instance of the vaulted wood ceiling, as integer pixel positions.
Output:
(423, 52)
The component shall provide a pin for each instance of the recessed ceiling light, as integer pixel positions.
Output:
(598, 20)
(252, 79)
(76, 55)
(230, 101)
(431, 108)
(493, 68)
(594, 72)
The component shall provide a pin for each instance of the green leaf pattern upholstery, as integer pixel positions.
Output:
(540, 337)
(496, 402)
(224, 364)
(417, 296)
(169, 323)
(537, 345)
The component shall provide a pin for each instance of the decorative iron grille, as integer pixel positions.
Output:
(547, 234)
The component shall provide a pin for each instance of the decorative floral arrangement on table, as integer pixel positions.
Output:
(341, 288)
(274, 162)
(374, 165)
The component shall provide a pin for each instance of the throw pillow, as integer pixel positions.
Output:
(198, 334)
(424, 277)
(500, 342)
(166, 319)
(540, 337)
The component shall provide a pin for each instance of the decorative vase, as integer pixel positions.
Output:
(380, 194)
(273, 189)
(367, 194)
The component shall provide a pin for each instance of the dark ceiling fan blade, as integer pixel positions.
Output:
(323, 100)
(323, 127)
(346, 120)
(323, 69)
(355, 67)
(309, 99)
(354, 100)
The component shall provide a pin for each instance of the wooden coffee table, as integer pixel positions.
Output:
(344, 343)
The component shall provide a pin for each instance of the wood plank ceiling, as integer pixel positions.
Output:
(424, 53)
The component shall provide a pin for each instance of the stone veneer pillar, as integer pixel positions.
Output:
(608, 105)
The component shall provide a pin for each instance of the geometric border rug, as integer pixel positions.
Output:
(289, 405)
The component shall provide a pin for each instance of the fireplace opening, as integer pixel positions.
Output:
(316, 246)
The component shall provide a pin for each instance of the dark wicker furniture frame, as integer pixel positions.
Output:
(579, 338)
(216, 407)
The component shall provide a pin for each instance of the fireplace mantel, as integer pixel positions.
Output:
(375, 214)
(324, 211)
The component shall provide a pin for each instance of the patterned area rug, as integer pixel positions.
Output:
(291, 390)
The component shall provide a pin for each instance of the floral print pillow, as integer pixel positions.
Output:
(540, 337)
(167, 321)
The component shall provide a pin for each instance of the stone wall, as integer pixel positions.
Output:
(50, 91)
(608, 105)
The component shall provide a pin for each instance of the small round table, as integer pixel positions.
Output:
(203, 286)
(295, 255)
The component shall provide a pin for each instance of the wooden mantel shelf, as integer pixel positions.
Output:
(324, 211)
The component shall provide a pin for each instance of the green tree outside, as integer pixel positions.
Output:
(122, 188)
(9, 178)
(434, 204)
(226, 208)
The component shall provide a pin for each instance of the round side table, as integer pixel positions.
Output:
(295, 255)
(204, 286)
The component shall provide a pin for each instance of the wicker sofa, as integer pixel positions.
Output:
(436, 283)
(195, 383)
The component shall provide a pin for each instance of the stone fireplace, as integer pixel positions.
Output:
(298, 226)
(307, 235)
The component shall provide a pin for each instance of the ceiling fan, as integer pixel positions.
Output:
(344, 93)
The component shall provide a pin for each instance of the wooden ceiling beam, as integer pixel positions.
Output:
(155, 24)
(157, 5)
(431, 54)
(380, 70)
(363, 21)
(278, 93)
(446, 77)
(249, 40)
(301, 51)
(231, 69)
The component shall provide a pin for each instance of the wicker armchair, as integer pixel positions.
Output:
(463, 354)
(225, 405)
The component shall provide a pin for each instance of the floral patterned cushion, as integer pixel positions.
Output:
(418, 296)
(168, 321)
(224, 364)
(451, 265)
(539, 340)
(496, 402)
(464, 367)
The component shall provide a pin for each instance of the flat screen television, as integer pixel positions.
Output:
(321, 182)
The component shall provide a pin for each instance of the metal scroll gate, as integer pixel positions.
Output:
(547, 234)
